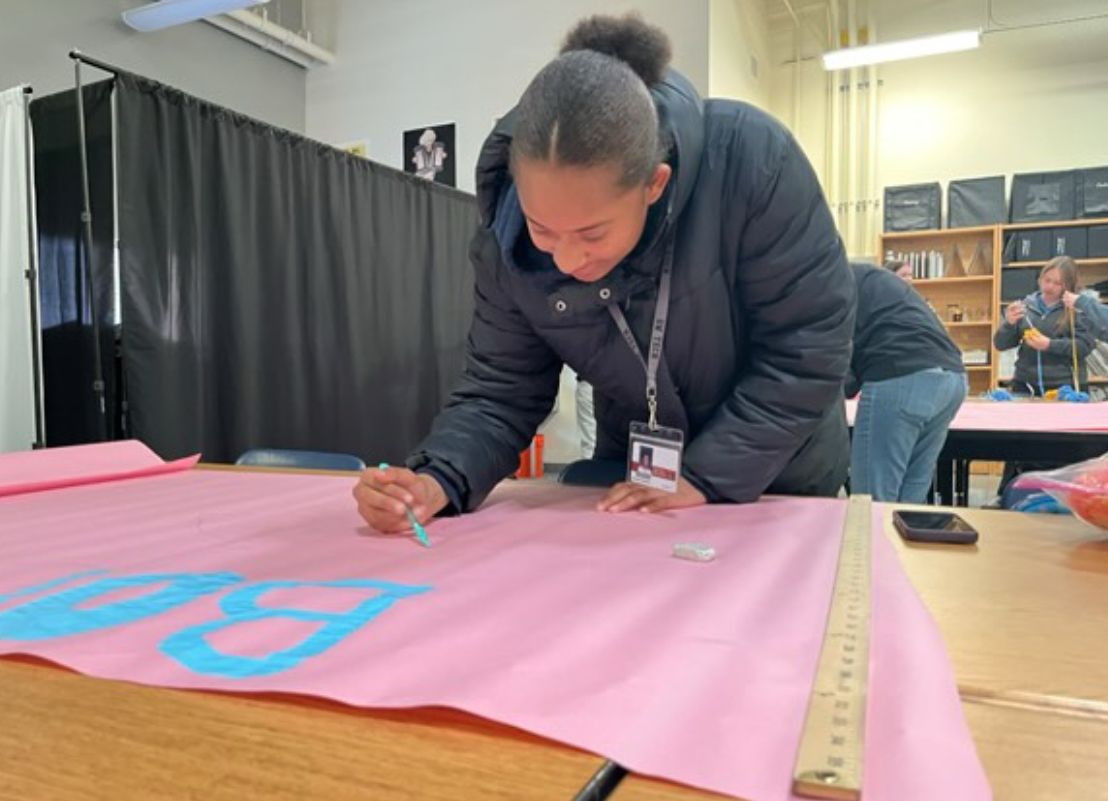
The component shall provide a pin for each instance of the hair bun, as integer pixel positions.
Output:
(645, 48)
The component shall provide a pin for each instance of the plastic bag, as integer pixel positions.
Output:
(1081, 487)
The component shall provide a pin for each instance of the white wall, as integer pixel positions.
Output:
(738, 45)
(404, 65)
(36, 35)
(807, 117)
(1026, 101)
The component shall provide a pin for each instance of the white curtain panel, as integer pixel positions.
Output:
(17, 399)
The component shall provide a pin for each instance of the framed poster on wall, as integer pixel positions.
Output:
(429, 153)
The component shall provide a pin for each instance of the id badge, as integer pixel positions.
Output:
(654, 456)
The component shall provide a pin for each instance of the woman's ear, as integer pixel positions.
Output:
(658, 183)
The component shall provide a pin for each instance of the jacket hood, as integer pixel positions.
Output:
(680, 121)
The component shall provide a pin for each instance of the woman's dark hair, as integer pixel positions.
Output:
(1071, 282)
(591, 105)
(894, 264)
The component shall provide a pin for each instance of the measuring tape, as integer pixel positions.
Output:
(829, 764)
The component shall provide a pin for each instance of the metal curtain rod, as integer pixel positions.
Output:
(77, 55)
(89, 274)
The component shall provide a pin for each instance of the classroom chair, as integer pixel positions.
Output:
(306, 460)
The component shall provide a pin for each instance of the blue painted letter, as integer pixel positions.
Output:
(57, 616)
(191, 649)
(50, 584)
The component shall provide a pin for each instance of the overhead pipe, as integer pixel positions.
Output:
(873, 204)
(851, 131)
(272, 37)
(836, 79)
(796, 67)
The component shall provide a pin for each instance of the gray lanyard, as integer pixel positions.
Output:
(657, 335)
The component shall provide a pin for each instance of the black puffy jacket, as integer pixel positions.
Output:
(760, 319)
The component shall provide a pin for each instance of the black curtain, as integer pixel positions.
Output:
(68, 353)
(278, 292)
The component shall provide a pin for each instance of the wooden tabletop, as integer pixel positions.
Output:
(1028, 755)
(1024, 616)
(1025, 612)
(66, 736)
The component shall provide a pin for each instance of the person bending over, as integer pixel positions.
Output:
(678, 254)
(912, 382)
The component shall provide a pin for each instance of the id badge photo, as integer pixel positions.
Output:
(654, 456)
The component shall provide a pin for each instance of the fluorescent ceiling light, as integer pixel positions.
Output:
(167, 13)
(898, 51)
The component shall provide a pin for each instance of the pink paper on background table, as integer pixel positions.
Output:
(53, 468)
(536, 612)
(1030, 416)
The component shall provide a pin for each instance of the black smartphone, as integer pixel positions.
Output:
(934, 527)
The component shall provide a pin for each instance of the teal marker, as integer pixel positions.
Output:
(421, 535)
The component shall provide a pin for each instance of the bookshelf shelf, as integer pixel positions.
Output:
(1017, 265)
(1042, 225)
(969, 279)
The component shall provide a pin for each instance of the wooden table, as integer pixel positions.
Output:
(69, 737)
(1024, 614)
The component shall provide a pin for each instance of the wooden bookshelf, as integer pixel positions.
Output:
(966, 279)
(975, 295)
(1042, 225)
(1016, 265)
(901, 236)
(950, 294)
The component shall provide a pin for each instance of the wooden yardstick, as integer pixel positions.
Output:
(829, 764)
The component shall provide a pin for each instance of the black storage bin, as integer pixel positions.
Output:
(1072, 242)
(976, 201)
(1017, 283)
(917, 207)
(1092, 193)
(1043, 197)
(1033, 245)
(1098, 242)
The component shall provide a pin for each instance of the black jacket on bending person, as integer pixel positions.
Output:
(760, 319)
(895, 333)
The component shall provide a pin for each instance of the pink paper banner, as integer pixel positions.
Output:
(54, 468)
(1016, 416)
(537, 612)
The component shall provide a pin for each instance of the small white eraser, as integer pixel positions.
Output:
(694, 551)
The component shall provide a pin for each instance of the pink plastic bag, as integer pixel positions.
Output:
(1081, 487)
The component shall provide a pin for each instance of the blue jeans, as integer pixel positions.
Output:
(899, 431)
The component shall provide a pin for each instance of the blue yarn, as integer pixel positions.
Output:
(1041, 503)
(998, 395)
(1068, 393)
